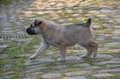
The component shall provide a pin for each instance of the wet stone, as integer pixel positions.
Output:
(103, 76)
(38, 61)
(77, 77)
(52, 75)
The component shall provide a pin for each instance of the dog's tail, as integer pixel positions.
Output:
(88, 23)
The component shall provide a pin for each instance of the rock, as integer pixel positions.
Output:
(61, 20)
(95, 12)
(9, 73)
(38, 61)
(37, 69)
(77, 77)
(116, 32)
(20, 33)
(71, 57)
(118, 38)
(25, 55)
(7, 33)
(3, 55)
(96, 26)
(93, 67)
(68, 69)
(27, 40)
(60, 66)
(76, 15)
(110, 70)
(115, 59)
(3, 15)
(3, 46)
(113, 66)
(80, 11)
(103, 76)
(33, 77)
(6, 77)
(77, 73)
(8, 66)
(103, 56)
(82, 65)
(52, 75)
(7, 24)
(107, 11)
(107, 62)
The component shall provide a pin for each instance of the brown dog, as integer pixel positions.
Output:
(63, 36)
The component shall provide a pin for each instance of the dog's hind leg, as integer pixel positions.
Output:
(91, 48)
(41, 49)
(94, 47)
(89, 52)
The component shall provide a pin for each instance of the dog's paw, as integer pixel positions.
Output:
(32, 58)
(84, 56)
(61, 60)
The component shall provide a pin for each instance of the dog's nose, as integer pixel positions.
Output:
(30, 31)
(27, 30)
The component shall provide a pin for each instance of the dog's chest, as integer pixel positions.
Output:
(48, 41)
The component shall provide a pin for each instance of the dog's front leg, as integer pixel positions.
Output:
(63, 53)
(41, 49)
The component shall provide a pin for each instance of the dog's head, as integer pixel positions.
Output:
(36, 27)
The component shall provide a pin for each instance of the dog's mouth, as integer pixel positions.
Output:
(31, 31)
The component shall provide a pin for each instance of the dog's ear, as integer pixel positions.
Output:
(37, 22)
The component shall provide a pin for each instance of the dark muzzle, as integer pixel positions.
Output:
(31, 31)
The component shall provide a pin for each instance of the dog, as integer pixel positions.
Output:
(62, 36)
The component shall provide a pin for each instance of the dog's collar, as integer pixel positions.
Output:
(48, 41)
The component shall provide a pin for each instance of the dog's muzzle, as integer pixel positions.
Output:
(31, 31)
